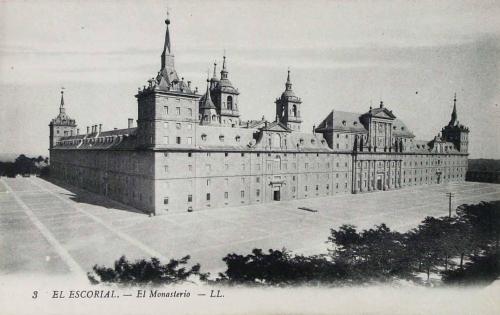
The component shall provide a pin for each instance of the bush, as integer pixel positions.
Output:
(146, 272)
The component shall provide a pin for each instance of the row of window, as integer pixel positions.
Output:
(178, 111)
(208, 196)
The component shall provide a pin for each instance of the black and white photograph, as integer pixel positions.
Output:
(249, 157)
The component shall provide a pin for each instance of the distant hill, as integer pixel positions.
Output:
(483, 165)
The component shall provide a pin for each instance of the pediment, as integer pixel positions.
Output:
(276, 127)
(383, 113)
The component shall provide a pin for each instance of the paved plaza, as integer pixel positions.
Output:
(48, 229)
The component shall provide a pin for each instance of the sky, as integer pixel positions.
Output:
(343, 55)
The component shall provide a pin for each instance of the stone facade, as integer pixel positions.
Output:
(192, 151)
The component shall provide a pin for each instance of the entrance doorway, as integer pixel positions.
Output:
(379, 182)
(277, 195)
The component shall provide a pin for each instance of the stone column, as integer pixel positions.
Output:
(400, 173)
(361, 177)
(354, 177)
(384, 183)
(368, 178)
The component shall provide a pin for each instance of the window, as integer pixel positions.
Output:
(317, 187)
(204, 137)
(178, 140)
(190, 198)
(226, 166)
(178, 125)
(190, 154)
(208, 182)
(178, 111)
(242, 193)
(165, 154)
(221, 138)
(189, 140)
(208, 196)
(257, 179)
(238, 138)
(328, 186)
(190, 167)
(165, 125)
(165, 139)
(243, 166)
(190, 112)
(230, 102)
(305, 188)
(226, 195)
(165, 110)
(165, 201)
(166, 168)
(257, 193)
(226, 154)
(242, 154)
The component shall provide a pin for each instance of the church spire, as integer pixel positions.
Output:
(167, 52)
(215, 69)
(454, 112)
(223, 72)
(61, 107)
(288, 83)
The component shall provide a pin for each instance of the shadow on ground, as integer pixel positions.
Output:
(80, 195)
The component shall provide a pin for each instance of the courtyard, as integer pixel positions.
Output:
(51, 230)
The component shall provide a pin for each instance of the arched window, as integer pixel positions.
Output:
(213, 117)
(294, 110)
(230, 102)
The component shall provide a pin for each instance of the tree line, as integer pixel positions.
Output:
(24, 165)
(461, 250)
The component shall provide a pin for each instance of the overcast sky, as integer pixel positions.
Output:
(344, 55)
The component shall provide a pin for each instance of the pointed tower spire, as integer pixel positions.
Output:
(215, 69)
(288, 83)
(223, 72)
(61, 107)
(454, 112)
(166, 47)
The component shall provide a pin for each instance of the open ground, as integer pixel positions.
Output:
(53, 230)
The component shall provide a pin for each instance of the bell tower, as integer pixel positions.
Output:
(455, 132)
(167, 107)
(61, 126)
(288, 107)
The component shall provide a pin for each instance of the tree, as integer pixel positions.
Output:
(480, 270)
(142, 272)
(484, 220)
(425, 245)
(279, 268)
(377, 254)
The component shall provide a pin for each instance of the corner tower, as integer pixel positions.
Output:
(288, 107)
(167, 107)
(455, 132)
(61, 126)
(225, 96)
